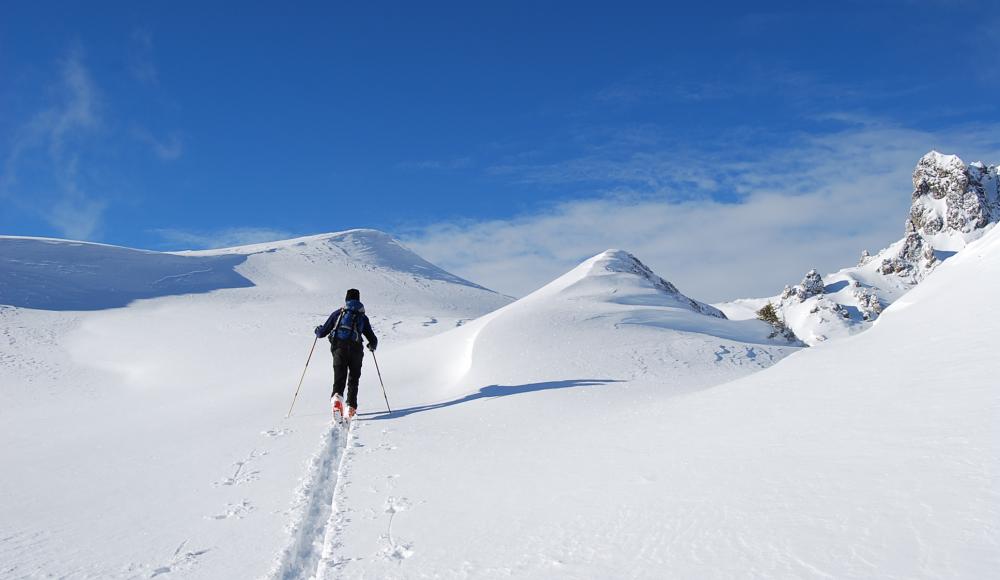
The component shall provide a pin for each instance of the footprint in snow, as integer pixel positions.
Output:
(181, 560)
(277, 432)
(398, 552)
(394, 505)
(395, 550)
(241, 474)
(234, 510)
(384, 446)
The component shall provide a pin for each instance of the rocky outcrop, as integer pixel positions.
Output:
(868, 301)
(950, 197)
(952, 204)
(812, 285)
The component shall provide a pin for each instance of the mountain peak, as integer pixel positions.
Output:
(952, 204)
(622, 262)
(619, 277)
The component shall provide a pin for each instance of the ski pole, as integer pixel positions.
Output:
(381, 383)
(302, 378)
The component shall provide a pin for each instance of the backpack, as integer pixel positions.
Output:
(348, 326)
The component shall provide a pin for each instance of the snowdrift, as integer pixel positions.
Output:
(608, 319)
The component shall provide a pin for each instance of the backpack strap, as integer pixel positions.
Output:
(336, 327)
(355, 321)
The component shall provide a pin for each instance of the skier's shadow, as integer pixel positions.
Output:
(490, 392)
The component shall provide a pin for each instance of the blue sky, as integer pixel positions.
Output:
(503, 140)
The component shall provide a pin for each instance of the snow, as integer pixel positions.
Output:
(61, 275)
(855, 460)
(133, 431)
(605, 426)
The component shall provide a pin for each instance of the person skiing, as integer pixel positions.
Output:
(345, 327)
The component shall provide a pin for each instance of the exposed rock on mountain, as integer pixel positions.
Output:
(953, 204)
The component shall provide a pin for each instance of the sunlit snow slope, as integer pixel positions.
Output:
(872, 457)
(150, 438)
(524, 444)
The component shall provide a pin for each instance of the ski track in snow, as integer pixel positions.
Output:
(310, 550)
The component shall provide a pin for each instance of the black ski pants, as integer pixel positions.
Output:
(347, 357)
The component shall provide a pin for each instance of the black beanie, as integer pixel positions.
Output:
(353, 294)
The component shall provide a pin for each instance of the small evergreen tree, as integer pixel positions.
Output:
(769, 315)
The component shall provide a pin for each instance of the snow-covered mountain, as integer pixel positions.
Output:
(953, 204)
(142, 394)
(609, 308)
(569, 434)
(543, 459)
(50, 274)
(513, 419)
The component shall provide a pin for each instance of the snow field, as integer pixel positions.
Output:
(605, 426)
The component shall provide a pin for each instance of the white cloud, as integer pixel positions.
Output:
(224, 238)
(77, 219)
(816, 203)
(50, 143)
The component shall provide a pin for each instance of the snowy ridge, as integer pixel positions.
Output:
(371, 248)
(618, 276)
(610, 304)
(53, 274)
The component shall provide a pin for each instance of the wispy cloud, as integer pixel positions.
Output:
(51, 143)
(813, 204)
(140, 57)
(224, 238)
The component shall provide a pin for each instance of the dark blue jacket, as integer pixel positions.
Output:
(364, 325)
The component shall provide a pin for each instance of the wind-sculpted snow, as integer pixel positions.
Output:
(381, 249)
(616, 276)
(62, 275)
(50, 274)
(366, 248)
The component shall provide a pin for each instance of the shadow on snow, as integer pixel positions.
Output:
(64, 275)
(490, 392)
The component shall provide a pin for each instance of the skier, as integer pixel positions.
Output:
(345, 326)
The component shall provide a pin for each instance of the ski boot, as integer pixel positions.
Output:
(337, 403)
